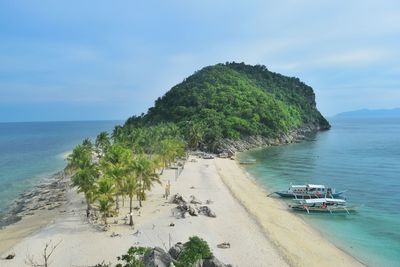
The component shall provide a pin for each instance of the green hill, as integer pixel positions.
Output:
(235, 101)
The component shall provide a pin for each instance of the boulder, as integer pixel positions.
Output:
(213, 262)
(176, 250)
(178, 199)
(192, 211)
(157, 258)
(205, 210)
(194, 200)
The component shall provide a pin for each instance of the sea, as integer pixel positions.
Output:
(31, 152)
(359, 155)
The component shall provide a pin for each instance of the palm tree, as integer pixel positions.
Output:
(85, 173)
(115, 164)
(195, 135)
(146, 176)
(102, 143)
(130, 187)
(105, 190)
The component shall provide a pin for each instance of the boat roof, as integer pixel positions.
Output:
(315, 186)
(309, 186)
(321, 200)
(298, 186)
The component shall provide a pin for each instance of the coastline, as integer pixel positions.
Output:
(269, 235)
(33, 210)
(297, 241)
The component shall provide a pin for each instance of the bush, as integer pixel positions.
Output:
(193, 250)
(133, 258)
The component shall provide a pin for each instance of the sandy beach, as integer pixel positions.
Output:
(260, 230)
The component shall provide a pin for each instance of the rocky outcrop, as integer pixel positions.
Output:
(157, 258)
(190, 208)
(176, 250)
(231, 146)
(49, 195)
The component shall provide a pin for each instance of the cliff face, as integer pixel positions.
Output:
(238, 102)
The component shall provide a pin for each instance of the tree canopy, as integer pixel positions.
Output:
(234, 100)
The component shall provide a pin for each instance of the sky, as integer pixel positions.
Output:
(95, 60)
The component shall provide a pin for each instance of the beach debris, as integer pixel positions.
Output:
(10, 256)
(205, 210)
(192, 187)
(224, 245)
(115, 234)
(194, 200)
(157, 257)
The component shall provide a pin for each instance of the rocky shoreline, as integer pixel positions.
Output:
(231, 146)
(48, 195)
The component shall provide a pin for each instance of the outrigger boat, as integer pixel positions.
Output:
(331, 205)
(309, 191)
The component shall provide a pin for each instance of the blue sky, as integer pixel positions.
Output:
(80, 60)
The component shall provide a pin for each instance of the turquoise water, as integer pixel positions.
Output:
(360, 155)
(32, 151)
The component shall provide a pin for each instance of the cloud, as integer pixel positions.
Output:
(363, 56)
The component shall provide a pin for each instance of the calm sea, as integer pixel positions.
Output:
(32, 151)
(360, 155)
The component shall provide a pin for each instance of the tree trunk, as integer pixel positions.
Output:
(116, 202)
(130, 211)
(87, 209)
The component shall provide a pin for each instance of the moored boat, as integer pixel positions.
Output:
(323, 205)
(309, 191)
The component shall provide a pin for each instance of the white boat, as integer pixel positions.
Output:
(331, 205)
(309, 191)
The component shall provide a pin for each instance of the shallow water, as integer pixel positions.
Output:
(32, 151)
(360, 155)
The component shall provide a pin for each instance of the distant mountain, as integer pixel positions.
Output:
(371, 113)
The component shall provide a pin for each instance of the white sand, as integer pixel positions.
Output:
(297, 241)
(83, 245)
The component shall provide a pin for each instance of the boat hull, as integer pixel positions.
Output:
(324, 210)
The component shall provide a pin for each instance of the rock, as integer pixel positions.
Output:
(224, 245)
(178, 199)
(176, 250)
(194, 200)
(192, 211)
(205, 210)
(10, 256)
(172, 224)
(213, 262)
(209, 201)
(157, 258)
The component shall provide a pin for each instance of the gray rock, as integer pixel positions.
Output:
(205, 210)
(157, 258)
(194, 200)
(176, 250)
(213, 262)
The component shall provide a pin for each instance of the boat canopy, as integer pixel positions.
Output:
(321, 200)
(315, 186)
(298, 186)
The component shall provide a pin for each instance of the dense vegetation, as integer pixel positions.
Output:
(111, 169)
(233, 100)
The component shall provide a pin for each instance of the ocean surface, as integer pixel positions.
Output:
(360, 155)
(33, 151)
